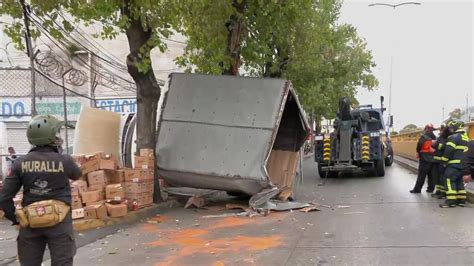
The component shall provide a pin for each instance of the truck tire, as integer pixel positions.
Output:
(330, 174)
(389, 160)
(380, 168)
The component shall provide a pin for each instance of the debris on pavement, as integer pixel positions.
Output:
(342, 206)
(321, 205)
(309, 209)
(195, 201)
(354, 213)
(233, 206)
(277, 205)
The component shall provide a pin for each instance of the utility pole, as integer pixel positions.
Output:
(66, 135)
(93, 79)
(467, 108)
(29, 50)
(443, 112)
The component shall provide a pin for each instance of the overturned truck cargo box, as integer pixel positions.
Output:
(230, 133)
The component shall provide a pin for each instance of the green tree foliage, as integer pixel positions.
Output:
(409, 128)
(299, 40)
(456, 114)
(144, 22)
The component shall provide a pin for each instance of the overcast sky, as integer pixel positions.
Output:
(432, 48)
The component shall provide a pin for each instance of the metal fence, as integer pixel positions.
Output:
(52, 97)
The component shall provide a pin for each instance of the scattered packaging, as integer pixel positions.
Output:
(147, 174)
(138, 187)
(114, 176)
(97, 187)
(132, 175)
(90, 163)
(97, 211)
(117, 210)
(91, 196)
(78, 213)
(103, 179)
(140, 199)
(95, 203)
(79, 185)
(76, 202)
(147, 153)
(143, 162)
(115, 192)
(97, 177)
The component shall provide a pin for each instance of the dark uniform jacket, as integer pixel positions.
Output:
(455, 151)
(44, 175)
(439, 147)
(469, 163)
(425, 139)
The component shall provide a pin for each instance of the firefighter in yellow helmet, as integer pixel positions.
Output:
(454, 156)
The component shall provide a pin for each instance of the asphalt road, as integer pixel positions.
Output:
(372, 221)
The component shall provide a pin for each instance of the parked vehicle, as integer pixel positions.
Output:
(360, 141)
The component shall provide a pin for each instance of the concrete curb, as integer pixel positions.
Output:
(132, 217)
(406, 165)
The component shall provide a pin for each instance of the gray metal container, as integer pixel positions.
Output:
(217, 132)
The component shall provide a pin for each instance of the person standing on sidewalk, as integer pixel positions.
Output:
(454, 157)
(425, 155)
(45, 218)
(438, 166)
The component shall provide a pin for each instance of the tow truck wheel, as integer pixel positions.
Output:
(322, 173)
(380, 168)
(389, 160)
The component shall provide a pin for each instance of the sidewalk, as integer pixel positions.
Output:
(87, 231)
(406, 163)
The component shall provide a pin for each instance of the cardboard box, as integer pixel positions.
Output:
(79, 159)
(141, 199)
(149, 187)
(76, 202)
(97, 187)
(117, 210)
(147, 174)
(143, 162)
(147, 153)
(98, 211)
(115, 192)
(108, 165)
(78, 213)
(91, 164)
(138, 187)
(115, 176)
(131, 175)
(95, 203)
(79, 185)
(91, 196)
(97, 177)
(74, 191)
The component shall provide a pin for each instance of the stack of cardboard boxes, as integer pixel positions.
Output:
(105, 189)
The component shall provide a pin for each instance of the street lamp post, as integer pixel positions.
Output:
(394, 6)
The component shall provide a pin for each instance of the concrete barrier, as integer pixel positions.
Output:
(405, 144)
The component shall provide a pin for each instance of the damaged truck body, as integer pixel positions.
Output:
(235, 134)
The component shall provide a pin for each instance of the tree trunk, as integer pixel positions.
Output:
(148, 90)
(234, 39)
(318, 125)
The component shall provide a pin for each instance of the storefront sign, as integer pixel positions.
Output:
(118, 105)
(19, 109)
